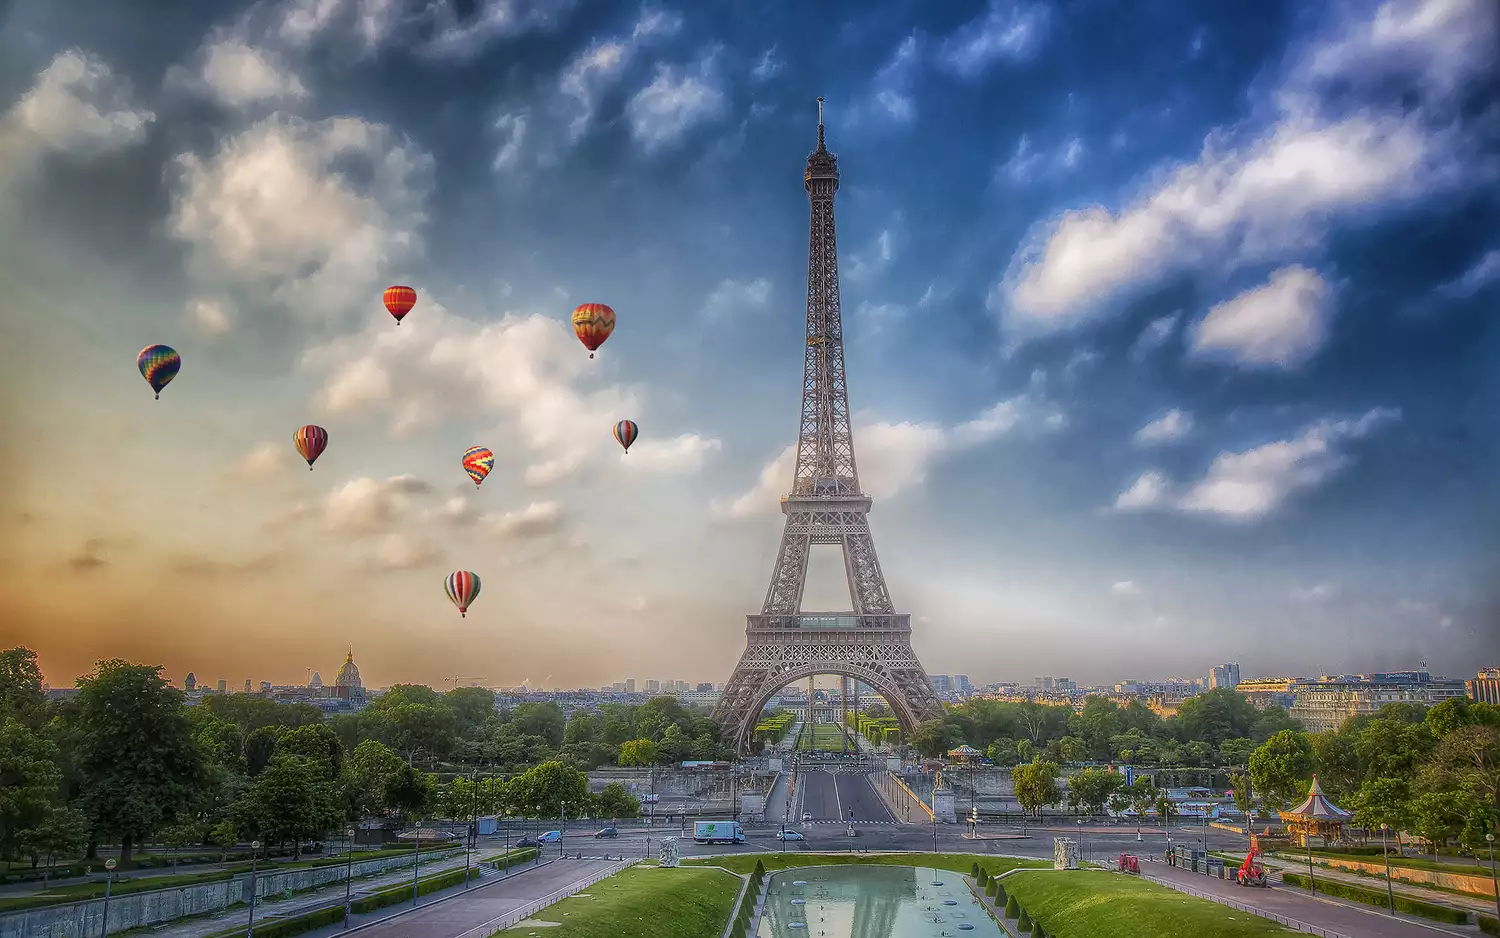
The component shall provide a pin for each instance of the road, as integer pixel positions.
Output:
(1297, 904)
(474, 914)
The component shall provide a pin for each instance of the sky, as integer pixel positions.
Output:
(1171, 333)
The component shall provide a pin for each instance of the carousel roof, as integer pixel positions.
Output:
(1318, 807)
(964, 751)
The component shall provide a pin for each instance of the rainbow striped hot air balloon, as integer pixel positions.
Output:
(310, 442)
(625, 433)
(592, 323)
(478, 461)
(462, 588)
(159, 364)
(400, 300)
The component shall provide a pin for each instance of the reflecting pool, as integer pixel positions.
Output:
(872, 902)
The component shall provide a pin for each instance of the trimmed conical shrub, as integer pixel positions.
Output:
(1036, 930)
(974, 869)
(990, 888)
(1000, 895)
(1023, 924)
(981, 876)
(1012, 907)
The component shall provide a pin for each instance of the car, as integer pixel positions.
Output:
(806, 816)
(525, 842)
(606, 832)
(551, 837)
(789, 835)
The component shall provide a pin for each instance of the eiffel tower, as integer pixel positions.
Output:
(872, 643)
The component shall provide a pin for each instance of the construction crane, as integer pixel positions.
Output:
(459, 677)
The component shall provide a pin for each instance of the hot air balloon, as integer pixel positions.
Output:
(463, 588)
(310, 442)
(478, 461)
(592, 323)
(625, 432)
(400, 300)
(159, 364)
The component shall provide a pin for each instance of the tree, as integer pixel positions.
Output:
(21, 694)
(615, 801)
(1468, 759)
(1166, 808)
(638, 752)
(473, 708)
(406, 792)
(583, 727)
(1036, 785)
(1383, 801)
(1143, 796)
(1003, 751)
(291, 800)
(62, 833)
(1216, 716)
(317, 742)
(545, 720)
(542, 790)
(1090, 789)
(260, 745)
(933, 738)
(1236, 751)
(1438, 816)
(224, 835)
(139, 761)
(29, 779)
(1280, 768)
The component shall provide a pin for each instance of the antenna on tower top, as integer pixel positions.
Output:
(820, 123)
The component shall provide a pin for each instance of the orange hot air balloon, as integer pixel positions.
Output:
(400, 300)
(592, 323)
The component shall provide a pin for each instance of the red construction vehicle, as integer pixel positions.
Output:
(1250, 872)
(1129, 863)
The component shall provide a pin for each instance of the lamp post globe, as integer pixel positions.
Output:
(254, 845)
(110, 864)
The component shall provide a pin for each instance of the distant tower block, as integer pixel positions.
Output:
(871, 643)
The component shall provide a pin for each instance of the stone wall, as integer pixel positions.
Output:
(1476, 883)
(135, 910)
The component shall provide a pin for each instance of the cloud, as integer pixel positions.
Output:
(876, 257)
(1251, 484)
(1250, 197)
(458, 29)
(218, 567)
(365, 506)
(398, 552)
(1007, 31)
(240, 75)
(589, 74)
(512, 128)
(535, 520)
(265, 461)
(677, 100)
(1485, 272)
(892, 457)
(89, 557)
(307, 208)
(1315, 593)
(1148, 490)
(526, 371)
(76, 106)
(1281, 323)
(1027, 164)
(209, 316)
(1154, 336)
(732, 296)
(890, 100)
(1125, 588)
(767, 66)
(1173, 425)
(684, 453)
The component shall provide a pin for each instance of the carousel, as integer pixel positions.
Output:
(965, 753)
(1316, 819)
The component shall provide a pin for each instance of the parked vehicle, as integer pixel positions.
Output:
(789, 835)
(1250, 872)
(806, 816)
(1129, 863)
(525, 842)
(608, 832)
(551, 837)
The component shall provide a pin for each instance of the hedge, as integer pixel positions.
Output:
(1036, 930)
(1012, 907)
(1488, 925)
(1023, 924)
(999, 893)
(1438, 913)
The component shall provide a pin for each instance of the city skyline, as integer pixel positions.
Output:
(1148, 374)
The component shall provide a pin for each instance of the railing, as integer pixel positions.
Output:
(810, 621)
(1292, 923)
(525, 912)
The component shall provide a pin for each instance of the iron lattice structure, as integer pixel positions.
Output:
(871, 643)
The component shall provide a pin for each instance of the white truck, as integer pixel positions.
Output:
(718, 832)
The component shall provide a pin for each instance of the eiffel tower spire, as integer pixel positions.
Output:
(871, 643)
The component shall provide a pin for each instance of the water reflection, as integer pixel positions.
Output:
(872, 902)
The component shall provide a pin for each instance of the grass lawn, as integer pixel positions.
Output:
(957, 862)
(825, 736)
(1106, 905)
(662, 903)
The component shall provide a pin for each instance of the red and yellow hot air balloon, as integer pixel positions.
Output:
(478, 461)
(399, 300)
(625, 433)
(592, 323)
(310, 442)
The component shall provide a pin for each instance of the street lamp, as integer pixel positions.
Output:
(416, 863)
(1490, 839)
(1312, 885)
(108, 878)
(349, 875)
(561, 849)
(254, 854)
(1390, 895)
(473, 825)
